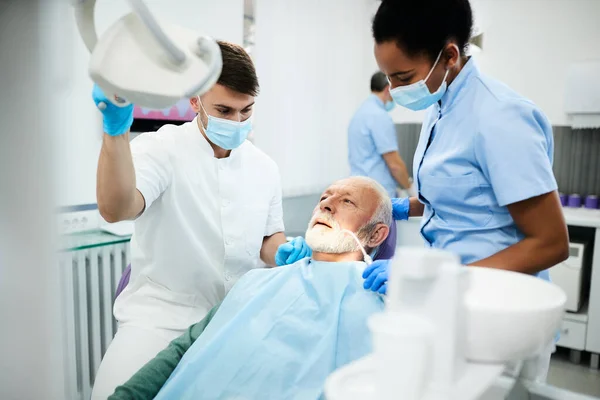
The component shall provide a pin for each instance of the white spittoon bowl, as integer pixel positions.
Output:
(510, 316)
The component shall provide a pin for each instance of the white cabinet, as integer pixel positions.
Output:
(572, 334)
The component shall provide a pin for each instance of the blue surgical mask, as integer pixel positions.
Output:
(225, 133)
(389, 106)
(417, 95)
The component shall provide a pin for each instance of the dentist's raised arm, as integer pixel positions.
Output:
(117, 196)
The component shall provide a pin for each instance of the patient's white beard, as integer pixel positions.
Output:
(332, 241)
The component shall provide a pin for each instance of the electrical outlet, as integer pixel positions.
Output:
(80, 221)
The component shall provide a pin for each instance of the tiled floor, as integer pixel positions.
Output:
(574, 377)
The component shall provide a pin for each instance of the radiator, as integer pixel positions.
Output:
(89, 278)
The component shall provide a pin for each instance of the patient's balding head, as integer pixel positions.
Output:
(358, 204)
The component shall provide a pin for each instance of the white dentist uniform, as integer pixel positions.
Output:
(202, 229)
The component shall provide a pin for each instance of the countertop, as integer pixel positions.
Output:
(582, 217)
(89, 239)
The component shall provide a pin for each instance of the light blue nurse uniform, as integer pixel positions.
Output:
(370, 135)
(481, 148)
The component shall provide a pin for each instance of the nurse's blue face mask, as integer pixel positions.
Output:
(225, 133)
(417, 96)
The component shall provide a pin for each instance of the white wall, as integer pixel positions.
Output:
(78, 146)
(529, 44)
(314, 61)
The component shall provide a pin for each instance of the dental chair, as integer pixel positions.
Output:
(123, 281)
(386, 252)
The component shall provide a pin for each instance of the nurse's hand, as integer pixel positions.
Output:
(400, 208)
(376, 276)
(290, 252)
(117, 120)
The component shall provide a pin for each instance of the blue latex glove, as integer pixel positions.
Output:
(400, 208)
(290, 252)
(376, 276)
(117, 120)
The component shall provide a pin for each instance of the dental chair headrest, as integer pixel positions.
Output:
(387, 249)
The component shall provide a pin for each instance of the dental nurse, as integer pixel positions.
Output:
(483, 165)
(206, 204)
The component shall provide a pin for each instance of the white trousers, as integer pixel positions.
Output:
(131, 348)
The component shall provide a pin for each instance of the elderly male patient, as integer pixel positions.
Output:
(280, 332)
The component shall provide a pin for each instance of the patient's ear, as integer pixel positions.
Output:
(380, 233)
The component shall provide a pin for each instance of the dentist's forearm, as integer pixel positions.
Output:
(270, 246)
(116, 185)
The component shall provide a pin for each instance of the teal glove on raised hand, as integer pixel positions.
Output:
(400, 208)
(117, 120)
(376, 276)
(290, 252)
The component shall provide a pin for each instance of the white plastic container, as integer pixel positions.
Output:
(402, 347)
(431, 283)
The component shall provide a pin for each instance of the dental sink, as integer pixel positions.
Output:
(449, 331)
(509, 316)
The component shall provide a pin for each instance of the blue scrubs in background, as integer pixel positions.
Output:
(483, 148)
(371, 134)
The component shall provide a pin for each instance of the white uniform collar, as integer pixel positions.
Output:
(451, 96)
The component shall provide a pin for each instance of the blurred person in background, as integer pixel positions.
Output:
(372, 143)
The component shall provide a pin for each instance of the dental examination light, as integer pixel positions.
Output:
(150, 63)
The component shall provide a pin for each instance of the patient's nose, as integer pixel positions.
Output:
(327, 206)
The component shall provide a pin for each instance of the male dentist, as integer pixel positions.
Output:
(206, 204)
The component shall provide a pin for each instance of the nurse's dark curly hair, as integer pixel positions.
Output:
(238, 71)
(423, 26)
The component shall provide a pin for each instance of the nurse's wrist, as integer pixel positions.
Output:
(416, 208)
(400, 208)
